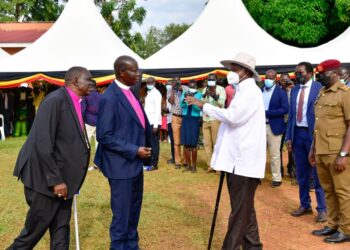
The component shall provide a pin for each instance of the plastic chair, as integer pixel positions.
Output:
(2, 127)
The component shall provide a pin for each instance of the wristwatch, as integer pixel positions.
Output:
(343, 154)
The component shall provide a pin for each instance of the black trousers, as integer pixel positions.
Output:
(242, 226)
(171, 136)
(45, 213)
(7, 123)
(155, 147)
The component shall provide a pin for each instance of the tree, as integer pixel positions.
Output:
(298, 22)
(29, 10)
(14, 10)
(155, 38)
(151, 43)
(120, 15)
(343, 8)
(172, 31)
(45, 10)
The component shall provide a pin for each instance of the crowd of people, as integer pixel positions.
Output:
(238, 119)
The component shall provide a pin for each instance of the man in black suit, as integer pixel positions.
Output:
(52, 163)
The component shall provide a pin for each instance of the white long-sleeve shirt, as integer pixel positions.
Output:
(241, 142)
(153, 107)
(307, 87)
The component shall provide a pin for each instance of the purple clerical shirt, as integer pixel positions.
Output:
(76, 101)
(133, 101)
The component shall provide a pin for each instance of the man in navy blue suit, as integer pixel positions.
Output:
(300, 129)
(124, 135)
(276, 106)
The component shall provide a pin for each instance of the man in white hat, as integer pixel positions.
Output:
(240, 150)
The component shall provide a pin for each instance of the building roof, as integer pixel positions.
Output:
(22, 32)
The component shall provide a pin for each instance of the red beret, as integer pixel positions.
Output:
(328, 65)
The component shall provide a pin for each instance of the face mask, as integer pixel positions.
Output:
(323, 79)
(342, 81)
(168, 87)
(150, 87)
(269, 83)
(232, 78)
(192, 90)
(300, 78)
(211, 83)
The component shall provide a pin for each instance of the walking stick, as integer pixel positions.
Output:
(76, 223)
(222, 177)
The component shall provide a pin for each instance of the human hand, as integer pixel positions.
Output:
(340, 163)
(61, 190)
(312, 159)
(194, 101)
(144, 152)
(289, 146)
(155, 131)
(212, 93)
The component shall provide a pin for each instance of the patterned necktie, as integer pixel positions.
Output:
(301, 104)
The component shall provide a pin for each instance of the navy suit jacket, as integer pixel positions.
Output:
(310, 114)
(119, 135)
(278, 107)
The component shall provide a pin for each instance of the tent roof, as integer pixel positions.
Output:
(225, 28)
(80, 37)
(3, 54)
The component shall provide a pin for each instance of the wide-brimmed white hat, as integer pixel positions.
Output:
(245, 60)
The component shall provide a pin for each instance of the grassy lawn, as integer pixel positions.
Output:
(174, 213)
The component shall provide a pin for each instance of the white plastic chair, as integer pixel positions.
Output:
(2, 127)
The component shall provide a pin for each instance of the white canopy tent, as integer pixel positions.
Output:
(80, 37)
(225, 28)
(3, 54)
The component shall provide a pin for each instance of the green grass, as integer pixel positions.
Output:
(175, 214)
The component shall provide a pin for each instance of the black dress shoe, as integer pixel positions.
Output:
(337, 237)
(275, 184)
(301, 211)
(326, 231)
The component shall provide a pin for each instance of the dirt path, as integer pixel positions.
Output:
(278, 229)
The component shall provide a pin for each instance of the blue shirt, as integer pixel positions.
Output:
(89, 106)
(195, 111)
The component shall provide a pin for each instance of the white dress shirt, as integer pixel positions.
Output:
(307, 87)
(153, 107)
(241, 140)
(267, 93)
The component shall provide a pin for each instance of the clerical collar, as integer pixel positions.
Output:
(121, 85)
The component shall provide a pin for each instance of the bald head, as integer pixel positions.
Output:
(122, 62)
(126, 70)
(78, 79)
(74, 73)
